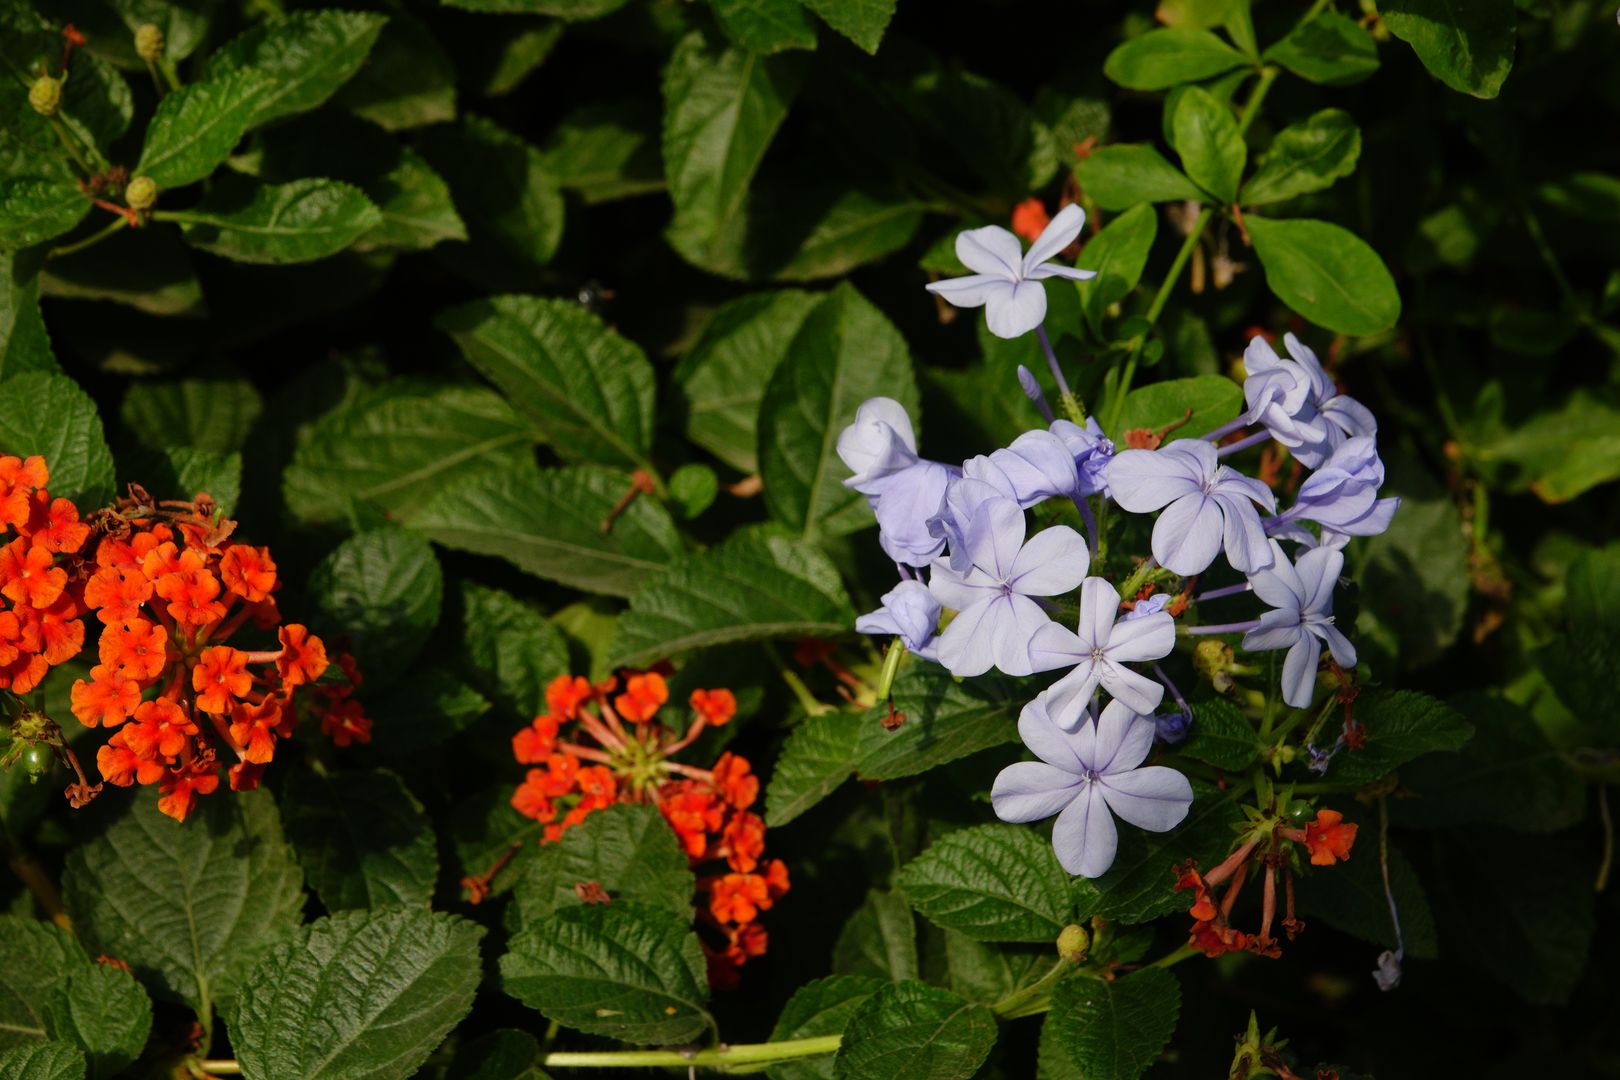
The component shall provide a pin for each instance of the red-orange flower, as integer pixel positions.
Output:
(61, 631)
(254, 729)
(116, 593)
(220, 678)
(531, 800)
(29, 575)
(743, 841)
(715, 706)
(248, 571)
(1030, 219)
(159, 728)
(1187, 877)
(18, 479)
(108, 697)
(642, 697)
(54, 524)
(346, 722)
(735, 783)
(137, 649)
(192, 596)
(566, 693)
(121, 766)
(178, 789)
(1328, 839)
(738, 897)
(534, 743)
(303, 655)
(693, 812)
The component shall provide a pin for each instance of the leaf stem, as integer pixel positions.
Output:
(1186, 952)
(1033, 998)
(74, 150)
(719, 1057)
(220, 1066)
(117, 224)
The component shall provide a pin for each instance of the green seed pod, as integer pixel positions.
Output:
(45, 95)
(1072, 943)
(141, 193)
(149, 42)
(37, 761)
(1299, 811)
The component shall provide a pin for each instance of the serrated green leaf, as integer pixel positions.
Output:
(1331, 49)
(628, 849)
(723, 377)
(1207, 138)
(394, 448)
(1221, 735)
(624, 970)
(1308, 156)
(279, 223)
(606, 150)
(757, 585)
(1116, 1029)
(862, 21)
(416, 207)
(1467, 44)
(1350, 897)
(307, 56)
(1327, 274)
(24, 343)
(845, 352)
(505, 1054)
(213, 414)
(549, 523)
(357, 994)
(510, 650)
(1160, 59)
(1119, 255)
(818, 756)
(34, 209)
(1120, 176)
(426, 707)
(820, 1007)
(1400, 726)
(42, 1061)
(407, 82)
(946, 719)
(381, 591)
(587, 388)
(195, 128)
(49, 415)
(917, 1032)
(190, 907)
(1213, 399)
(992, 883)
(879, 940)
(362, 838)
(766, 26)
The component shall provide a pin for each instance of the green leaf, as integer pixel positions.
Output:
(1508, 751)
(358, 993)
(574, 10)
(990, 129)
(723, 377)
(721, 109)
(213, 414)
(980, 971)
(757, 585)
(1113, 1029)
(24, 343)
(1160, 59)
(505, 193)
(1350, 897)
(1331, 48)
(1562, 452)
(1213, 399)
(917, 1032)
(1305, 157)
(49, 415)
(484, 829)
(147, 269)
(504, 1054)
(818, 756)
(34, 209)
(306, 56)
(1119, 255)
(862, 21)
(1207, 138)
(1466, 44)
(426, 707)
(278, 223)
(946, 719)
(606, 150)
(195, 128)
(1120, 176)
(362, 838)
(1327, 274)
(628, 849)
(51, 989)
(879, 940)
(1425, 548)
(1400, 725)
(845, 352)
(394, 448)
(992, 883)
(624, 970)
(42, 1061)
(820, 1007)
(509, 649)
(408, 81)
(588, 389)
(1221, 735)
(381, 591)
(549, 523)
(190, 907)
(415, 204)
(766, 26)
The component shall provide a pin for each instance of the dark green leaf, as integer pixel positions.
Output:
(757, 585)
(426, 707)
(363, 839)
(195, 128)
(1116, 1029)
(1350, 898)
(510, 650)
(606, 150)
(821, 1007)
(206, 414)
(1425, 549)
(1119, 255)
(34, 209)
(862, 21)
(1212, 399)
(624, 970)
(417, 212)
(766, 26)
(24, 344)
(381, 988)
(1327, 274)
(1564, 451)
(307, 56)
(49, 415)
(1467, 44)
(912, 1031)
(1207, 138)
(1305, 157)
(1400, 726)
(279, 223)
(409, 80)
(845, 352)
(818, 756)
(1221, 735)
(588, 389)
(380, 590)
(946, 719)
(879, 940)
(181, 472)
(1331, 49)
(628, 849)
(1160, 59)
(42, 1061)
(992, 883)
(549, 523)
(505, 1054)
(148, 269)
(1120, 176)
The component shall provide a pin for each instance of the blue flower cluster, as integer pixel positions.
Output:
(960, 539)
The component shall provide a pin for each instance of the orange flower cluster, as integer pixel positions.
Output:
(631, 761)
(1326, 839)
(41, 581)
(169, 594)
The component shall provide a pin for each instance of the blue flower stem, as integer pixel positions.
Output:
(1222, 628)
(1389, 893)
(1229, 590)
(1052, 362)
(1227, 428)
(1243, 444)
(1091, 525)
(1181, 702)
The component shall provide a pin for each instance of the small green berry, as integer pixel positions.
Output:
(45, 95)
(140, 193)
(149, 42)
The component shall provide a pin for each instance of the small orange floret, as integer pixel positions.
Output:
(248, 571)
(717, 707)
(1030, 219)
(1328, 839)
(192, 596)
(54, 524)
(159, 729)
(642, 697)
(108, 697)
(29, 575)
(178, 790)
(566, 693)
(220, 678)
(346, 722)
(743, 841)
(303, 655)
(137, 649)
(735, 782)
(121, 766)
(116, 593)
(254, 728)
(534, 743)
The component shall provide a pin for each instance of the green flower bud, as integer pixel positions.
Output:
(1072, 943)
(37, 761)
(45, 95)
(141, 193)
(149, 42)
(1299, 811)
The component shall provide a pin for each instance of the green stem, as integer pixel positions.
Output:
(720, 1057)
(1033, 998)
(1186, 952)
(1532, 225)
(117, 224)
(220, 1067)
(806, 699)
(72, 144)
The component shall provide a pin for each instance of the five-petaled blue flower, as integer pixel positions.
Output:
(1006, 281)
(1301, 595)
(1297, 402)
(1341, 496)
(904, 490)
(1206, 503)
(1099, 653)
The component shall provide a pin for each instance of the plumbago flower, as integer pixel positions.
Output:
(1208, 506)
(1301, 619)
(1298, 404)
(1006, 281)
(1099, 653)
(1341, 496)
(1085, 777)
(904, 491)
(909, 612)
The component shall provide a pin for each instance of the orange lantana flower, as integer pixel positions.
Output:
(643, 695)
(715, 706)
(303, 655)
(1328, 839)
(29, 575)
(108, 698)
(248, 571)
(137, 649)
(220, 677)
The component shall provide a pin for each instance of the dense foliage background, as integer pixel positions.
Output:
(731, 208)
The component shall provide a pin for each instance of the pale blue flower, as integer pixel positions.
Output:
(1341, 496)
(1092, 451)
(904, 490)
(1301, 596)
(1006, 281)
(1036, 467)
(1297, 402)
(1098, 654)
(1208, 505)
(909, 612)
